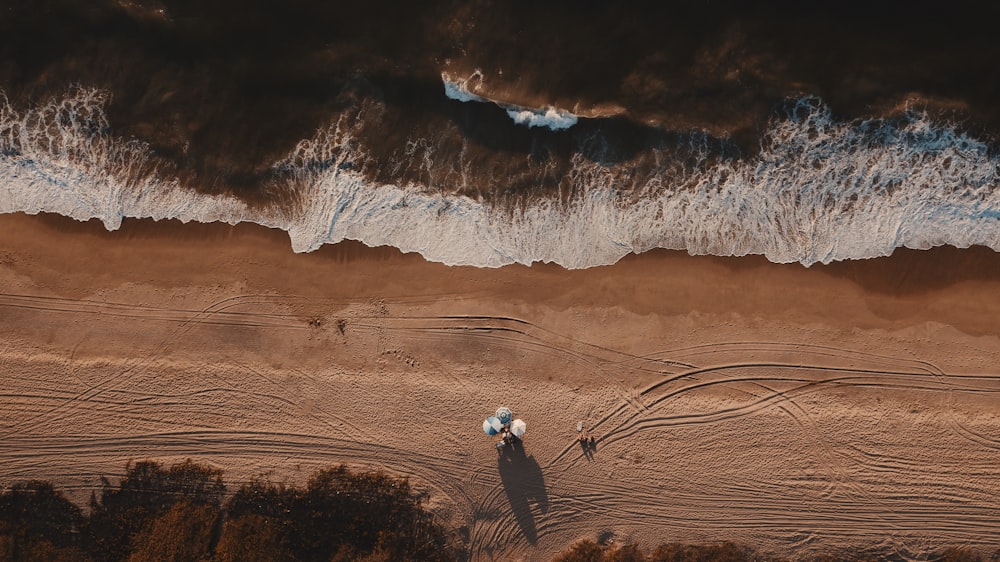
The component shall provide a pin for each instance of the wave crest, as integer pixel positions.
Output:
(550, 117)
(819, 190)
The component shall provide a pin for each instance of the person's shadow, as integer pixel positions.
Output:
(524, 484)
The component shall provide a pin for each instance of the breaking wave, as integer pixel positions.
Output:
(550, 117)
(819, 190)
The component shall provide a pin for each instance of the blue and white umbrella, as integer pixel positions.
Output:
(492, 426)
(504, 415)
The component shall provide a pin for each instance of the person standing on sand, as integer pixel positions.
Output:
(584, 437)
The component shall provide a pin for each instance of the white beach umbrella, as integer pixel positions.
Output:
(504, 415)
(492, 426)
(517, 427)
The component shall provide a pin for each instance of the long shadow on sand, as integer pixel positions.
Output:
(525, 485)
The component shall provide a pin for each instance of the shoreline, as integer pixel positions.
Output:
(887, 284)
(732, 398)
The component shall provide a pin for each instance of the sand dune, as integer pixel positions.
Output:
(797, 410)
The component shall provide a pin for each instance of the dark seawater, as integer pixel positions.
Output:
(492, 132)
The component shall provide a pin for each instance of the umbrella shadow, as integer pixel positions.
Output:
(525, 485)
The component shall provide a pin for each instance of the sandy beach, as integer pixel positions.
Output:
(799, 411)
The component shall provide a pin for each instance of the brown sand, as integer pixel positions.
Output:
(797, 410)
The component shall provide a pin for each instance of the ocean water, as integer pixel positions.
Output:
(473, 137)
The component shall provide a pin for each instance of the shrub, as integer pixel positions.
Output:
(724, 552)
(627, 553)
(184, 532)
(40, 550)
(340, 513)
(254, 538)
(590, 551)
(146, 491)
(38, 523)
(36, 510)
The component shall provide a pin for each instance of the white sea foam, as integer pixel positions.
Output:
(819, 191)
(551, 117)
(458, 89)
(59, 158)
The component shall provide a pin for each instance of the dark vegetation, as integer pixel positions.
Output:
(591, 551)
(181, 513)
